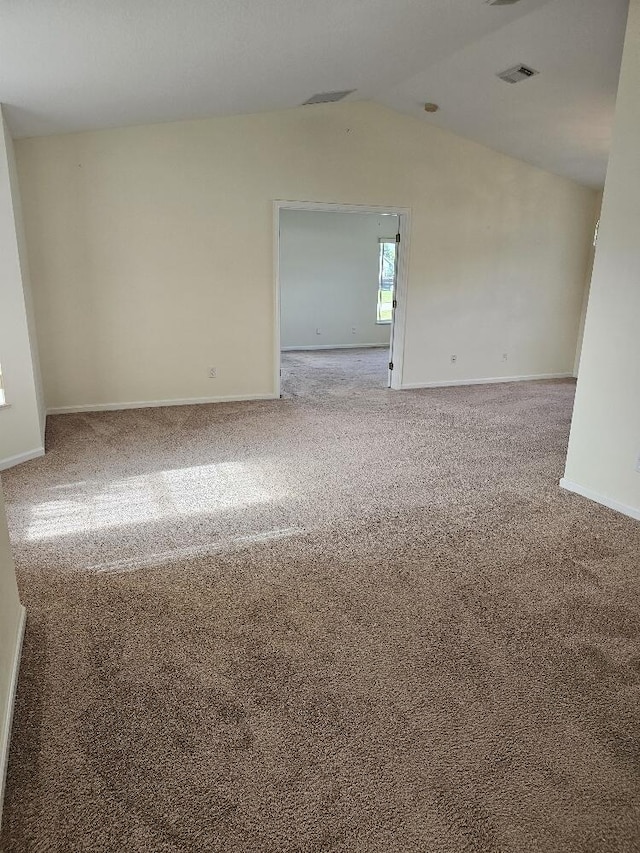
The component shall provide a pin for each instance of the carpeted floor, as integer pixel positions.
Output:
(318, 372)
(350, 620)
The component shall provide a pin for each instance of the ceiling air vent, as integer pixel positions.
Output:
(517, 73)
(328, 97)
(501, 2)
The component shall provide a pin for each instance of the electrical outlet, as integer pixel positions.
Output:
(353, 330)
(318, 332)
(505, 356)
(213, 373)
(454, 358)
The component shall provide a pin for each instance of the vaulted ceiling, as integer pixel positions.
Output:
(87, 64)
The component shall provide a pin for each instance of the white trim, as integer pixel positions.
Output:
(8, 711)
(400, 314)
(568, 486)
(401, 295)
(154, 404)
(335, 346)
(10, 461)
(333, 207)
(491, 380)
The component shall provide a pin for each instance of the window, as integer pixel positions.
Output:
(386, 279)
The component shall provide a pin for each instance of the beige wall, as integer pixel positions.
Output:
(151, 249)
(329, 267)
(11, 615)
(22, 421)
(587, 288)
(605, 434)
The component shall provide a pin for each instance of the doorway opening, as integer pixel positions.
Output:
(340, 295)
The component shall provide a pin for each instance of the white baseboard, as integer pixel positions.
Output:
(154, 404)
(5, 741)
(10, 461)
(334, 346)
(489, 380)
(568, 486)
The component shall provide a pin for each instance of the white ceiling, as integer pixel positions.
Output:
(84, 64)
(560, 120)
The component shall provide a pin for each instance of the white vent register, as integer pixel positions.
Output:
(517, 73)
(328, 97)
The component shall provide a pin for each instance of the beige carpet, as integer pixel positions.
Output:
(351, 620)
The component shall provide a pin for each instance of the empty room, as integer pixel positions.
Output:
(337, 286)
(320, 426)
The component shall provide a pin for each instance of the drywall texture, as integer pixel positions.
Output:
(10, 621)
(329, 269)
(22, 421)
(605, 435)
(151, 249)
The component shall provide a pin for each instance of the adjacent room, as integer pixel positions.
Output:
(319, 426)
(337, 276)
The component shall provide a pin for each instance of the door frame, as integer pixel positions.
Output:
(399, 320)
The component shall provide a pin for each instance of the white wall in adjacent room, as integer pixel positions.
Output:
(604, 448)
(152, 253)
(329, 266)
(22, 418)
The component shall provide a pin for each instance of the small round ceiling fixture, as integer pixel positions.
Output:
(431, 108)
